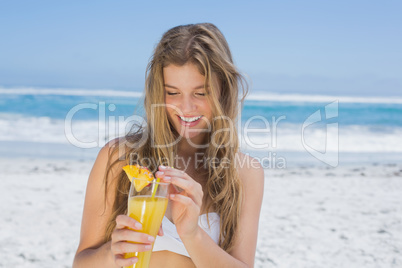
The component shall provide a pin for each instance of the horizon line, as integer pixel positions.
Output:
(254, 96)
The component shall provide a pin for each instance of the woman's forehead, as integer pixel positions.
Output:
(187, 73)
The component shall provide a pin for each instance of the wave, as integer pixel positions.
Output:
(259, 96)
(81, 133)
(254, 96)
(69, 92)
(347, 139)
(92, 133)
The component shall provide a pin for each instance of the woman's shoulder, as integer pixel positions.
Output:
(106, 153)
(245, 164)
(250, 171)
(117, 148)
(111, 154)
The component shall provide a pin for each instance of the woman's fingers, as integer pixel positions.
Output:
(187, 201)
(120, 248)
(190, 186)
(123, 221)
(126, 240)
(133, 236)
(121, 261)
(192, 189)
(183, 181)
(167, 173)
(179, 178)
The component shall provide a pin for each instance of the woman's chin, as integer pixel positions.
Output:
(193, 138)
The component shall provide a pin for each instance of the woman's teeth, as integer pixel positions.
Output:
(190, 119)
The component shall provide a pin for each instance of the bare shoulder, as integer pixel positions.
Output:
(250, 170)
(109, 156)
(103, 168)
(104, 173)
(98, 203)
(106, 150)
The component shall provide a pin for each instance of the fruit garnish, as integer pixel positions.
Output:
(138, 172)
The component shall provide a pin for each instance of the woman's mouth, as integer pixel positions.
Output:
(189, 121)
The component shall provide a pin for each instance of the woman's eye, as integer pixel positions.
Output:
(171, 93)
(201, 94)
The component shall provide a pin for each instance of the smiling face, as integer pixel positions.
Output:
(187, 104)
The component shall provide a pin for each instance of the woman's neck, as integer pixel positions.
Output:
(189, 147)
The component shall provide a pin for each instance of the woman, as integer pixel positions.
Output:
(191, 101)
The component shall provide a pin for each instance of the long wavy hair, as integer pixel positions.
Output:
(204, 46)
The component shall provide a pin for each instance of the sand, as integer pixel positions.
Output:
(349, 216)
(344, 217)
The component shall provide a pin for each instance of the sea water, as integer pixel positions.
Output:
(270, 125)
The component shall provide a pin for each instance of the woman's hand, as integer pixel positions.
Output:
(186, 205)
(126, 238)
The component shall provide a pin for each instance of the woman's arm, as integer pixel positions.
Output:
(252, 177)
(92, 251)
(203, 250)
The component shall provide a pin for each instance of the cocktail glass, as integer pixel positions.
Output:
(147, 206)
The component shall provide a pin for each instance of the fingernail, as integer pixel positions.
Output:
(138, 225)
(151, 238)
(167, 178)
(147, 247)
(172, 196)
(162, 167)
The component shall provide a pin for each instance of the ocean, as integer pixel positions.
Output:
(295, 128)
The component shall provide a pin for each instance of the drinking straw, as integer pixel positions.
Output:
(156, 187)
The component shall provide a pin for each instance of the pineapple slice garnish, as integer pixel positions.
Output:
(139, 172)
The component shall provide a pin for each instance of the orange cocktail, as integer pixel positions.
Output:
(147, 204)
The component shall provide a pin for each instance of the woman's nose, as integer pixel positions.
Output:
(187, 105)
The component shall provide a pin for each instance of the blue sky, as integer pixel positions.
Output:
(312, 47)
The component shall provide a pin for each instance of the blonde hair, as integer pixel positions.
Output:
(204, 46)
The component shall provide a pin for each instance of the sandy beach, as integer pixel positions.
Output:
(42, 203)
(343, 217)
(349, 216)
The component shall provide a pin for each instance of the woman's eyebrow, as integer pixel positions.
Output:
(198, 87)
(166, 85)
(202, 86)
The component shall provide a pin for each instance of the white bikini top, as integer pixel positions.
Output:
(171, 241)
